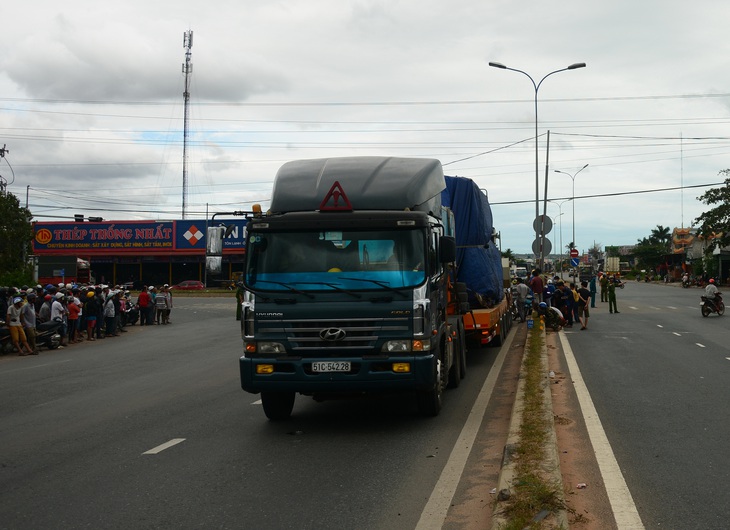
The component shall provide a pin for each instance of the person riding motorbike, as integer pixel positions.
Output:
(711, 291)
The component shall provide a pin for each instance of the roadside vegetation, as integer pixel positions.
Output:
(534, 494)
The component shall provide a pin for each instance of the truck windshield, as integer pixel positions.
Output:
(334, 260)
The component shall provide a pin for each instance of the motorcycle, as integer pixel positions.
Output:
(130, 315)
(6, 345)
(712, 306)
(48, 334)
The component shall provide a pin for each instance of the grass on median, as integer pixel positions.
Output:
(532, 493)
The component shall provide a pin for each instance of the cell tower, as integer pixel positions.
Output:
(187, 69)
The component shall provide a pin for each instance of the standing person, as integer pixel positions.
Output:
(584, 298)
(29, 320)
(569, 303)
(100, 301)
(14, 318)
(160, 306)
(109, 314)
(168, 292)
(239, 300)
(592, 289)
(537, 285)
(59, 314)
(151, 308)
(576, 299)
(143, 301)
(118, 307)
(92, 310)
(522, 291)
(604, 287)
(73, 319)
(612, 282)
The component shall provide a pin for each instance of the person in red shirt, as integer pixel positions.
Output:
(144, 301)
(537, 285)
(73, 319)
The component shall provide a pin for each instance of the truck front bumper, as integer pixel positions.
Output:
(376, 374)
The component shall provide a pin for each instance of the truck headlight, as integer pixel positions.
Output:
(396, 346)
(270, 348)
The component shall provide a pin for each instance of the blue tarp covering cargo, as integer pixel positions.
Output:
(478, 260)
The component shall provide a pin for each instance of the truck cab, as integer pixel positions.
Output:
(346, 284)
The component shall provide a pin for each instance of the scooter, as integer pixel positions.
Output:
(48, 334)
(712, 306)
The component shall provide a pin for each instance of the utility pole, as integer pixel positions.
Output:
(187, 69)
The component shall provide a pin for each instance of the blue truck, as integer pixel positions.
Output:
(350, 285)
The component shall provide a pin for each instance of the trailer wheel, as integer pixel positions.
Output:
(462, 340)
(278, 405)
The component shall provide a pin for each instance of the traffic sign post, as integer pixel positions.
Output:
(574, 253)
(574, 262)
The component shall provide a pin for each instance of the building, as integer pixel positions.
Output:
(138, 252)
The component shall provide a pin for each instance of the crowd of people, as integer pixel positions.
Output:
(568, 302)
(84, 312)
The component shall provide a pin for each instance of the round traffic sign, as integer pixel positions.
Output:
(574, 253)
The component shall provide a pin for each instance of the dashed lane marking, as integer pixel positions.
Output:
(164, 446)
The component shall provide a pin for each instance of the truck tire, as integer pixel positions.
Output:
(278, 405)
(462, 340)
(430, 401)
(455, 376)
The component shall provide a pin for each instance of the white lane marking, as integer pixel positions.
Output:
(700, 345)
(622, 503)
(677, 334)
(35, 366)
(437, 508)
(634, 308)
(257, 402)
(659, 326)
(164, 446)
(671, 307)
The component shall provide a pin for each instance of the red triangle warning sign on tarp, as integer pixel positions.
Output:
(336, 199)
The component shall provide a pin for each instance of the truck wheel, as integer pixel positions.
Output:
(455, 370)
(462, 340)
(429, 401)
(278, 405)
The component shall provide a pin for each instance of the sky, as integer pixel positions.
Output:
(92, 113)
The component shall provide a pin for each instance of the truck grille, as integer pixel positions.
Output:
(360, 335)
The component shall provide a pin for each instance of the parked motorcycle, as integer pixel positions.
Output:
(48, 334)
(6, 345)
(712, 306)
(130, 315)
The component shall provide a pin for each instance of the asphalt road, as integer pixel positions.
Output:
(152, 430)
(658, 375)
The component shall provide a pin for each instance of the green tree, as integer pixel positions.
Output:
(650, 253)
(612, 251)
(509, 255)
(661, 235)
(714, 224)
(16, 233)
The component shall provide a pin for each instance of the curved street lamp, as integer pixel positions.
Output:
(572, 177)
(539, 234)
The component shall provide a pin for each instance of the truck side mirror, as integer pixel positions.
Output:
(447, 249)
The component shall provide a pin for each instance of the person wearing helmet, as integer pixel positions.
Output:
(59, 314)
(14, 318)
(711, 290)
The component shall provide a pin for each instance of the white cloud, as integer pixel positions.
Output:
(91, 101)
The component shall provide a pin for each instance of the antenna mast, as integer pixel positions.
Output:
(187, 69)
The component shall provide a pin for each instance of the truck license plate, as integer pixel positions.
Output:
(331, 366)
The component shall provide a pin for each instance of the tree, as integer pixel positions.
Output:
(714, 224)
(16, 233)
(612, 251)
(662, 236)
(509, 255)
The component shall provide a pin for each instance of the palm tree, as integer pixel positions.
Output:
(661, 235)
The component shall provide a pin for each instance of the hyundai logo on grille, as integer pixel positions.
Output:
(332, 334)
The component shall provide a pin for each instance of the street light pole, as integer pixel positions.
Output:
(560, 217)
(539, 232)
(572, 177)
